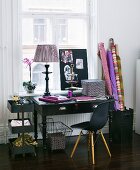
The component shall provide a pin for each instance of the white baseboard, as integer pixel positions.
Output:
(5, 134)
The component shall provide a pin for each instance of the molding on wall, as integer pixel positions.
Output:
(5, 133)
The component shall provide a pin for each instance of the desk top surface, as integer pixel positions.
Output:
(72, 101)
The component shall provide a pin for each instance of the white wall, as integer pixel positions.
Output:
(137, 126)
(120, 19)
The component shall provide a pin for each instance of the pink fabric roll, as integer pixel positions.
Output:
(105, 67)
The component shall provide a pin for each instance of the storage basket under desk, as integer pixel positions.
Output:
(55, 134)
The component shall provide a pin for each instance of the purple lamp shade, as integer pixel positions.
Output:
(46, 53)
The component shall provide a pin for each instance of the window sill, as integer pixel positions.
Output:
(53, 92)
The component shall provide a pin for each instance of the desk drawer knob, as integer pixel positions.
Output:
(62, 108)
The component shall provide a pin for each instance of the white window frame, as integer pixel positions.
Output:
(91, 18)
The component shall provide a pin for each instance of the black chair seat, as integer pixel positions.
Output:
(82, 125)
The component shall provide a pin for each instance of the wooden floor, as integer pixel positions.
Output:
(124, 157)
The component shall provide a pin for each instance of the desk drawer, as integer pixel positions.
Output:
(59, 109)
(68, 109)
(16, 108)
(83, 107)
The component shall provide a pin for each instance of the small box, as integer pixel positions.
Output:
(93, 87)
(56, 141)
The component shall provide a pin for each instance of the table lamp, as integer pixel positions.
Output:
(46, 53)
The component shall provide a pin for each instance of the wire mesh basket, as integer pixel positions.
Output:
(58, 127)
(56, 133)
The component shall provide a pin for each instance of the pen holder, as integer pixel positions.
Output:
(69, 94)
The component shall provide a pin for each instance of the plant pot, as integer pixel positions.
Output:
(30, 91)
(29, 87)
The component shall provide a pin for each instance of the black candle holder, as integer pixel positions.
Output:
(47, 93)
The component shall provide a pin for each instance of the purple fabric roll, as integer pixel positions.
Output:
(112, 78)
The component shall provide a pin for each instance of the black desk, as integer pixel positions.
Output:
(47, 109)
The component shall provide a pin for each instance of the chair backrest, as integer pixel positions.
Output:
(100, 116)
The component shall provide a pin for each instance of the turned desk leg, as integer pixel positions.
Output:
(35, 125)
(44, 131)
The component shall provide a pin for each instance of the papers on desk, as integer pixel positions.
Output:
(102, 98)
(89, 98)
(15, 123)
(60, 99)
(55, 99)
(84, 98)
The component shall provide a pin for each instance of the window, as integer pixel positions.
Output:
(61, 22)
(63, 30)
(38, 77)
(39, 31)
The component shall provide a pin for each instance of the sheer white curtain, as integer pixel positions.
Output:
(9, 60)
(93, 39)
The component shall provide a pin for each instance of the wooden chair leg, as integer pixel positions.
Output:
(89, 141)
(76, 143)
(92, 147)
(105, 143)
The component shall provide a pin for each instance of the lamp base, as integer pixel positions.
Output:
(46, 94)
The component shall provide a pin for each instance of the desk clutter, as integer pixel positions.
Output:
(61, 99)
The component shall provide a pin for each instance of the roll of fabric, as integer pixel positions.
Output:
(102, 54)
(118, 74)
(112, 78)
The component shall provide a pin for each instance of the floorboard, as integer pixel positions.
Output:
(124, 157)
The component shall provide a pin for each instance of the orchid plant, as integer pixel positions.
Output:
(29, 86)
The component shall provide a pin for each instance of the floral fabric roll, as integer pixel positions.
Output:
(118, 76)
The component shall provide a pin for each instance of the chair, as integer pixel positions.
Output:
(97, 122)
